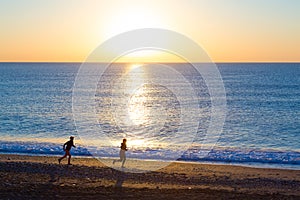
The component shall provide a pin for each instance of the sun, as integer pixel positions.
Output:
(130, 18)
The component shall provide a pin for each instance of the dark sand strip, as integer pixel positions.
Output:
(36, 177)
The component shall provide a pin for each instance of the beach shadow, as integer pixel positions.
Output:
(53, 177)
(120, 180)
(121, 177)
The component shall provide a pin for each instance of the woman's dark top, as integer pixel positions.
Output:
(123, 146)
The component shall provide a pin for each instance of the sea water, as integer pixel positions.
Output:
(261, 127)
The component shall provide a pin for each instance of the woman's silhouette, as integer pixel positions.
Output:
(122, 153)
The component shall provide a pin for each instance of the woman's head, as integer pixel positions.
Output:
(124, 140)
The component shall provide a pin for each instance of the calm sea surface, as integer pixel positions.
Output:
(262, 124)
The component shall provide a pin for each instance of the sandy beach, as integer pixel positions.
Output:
(36, 177)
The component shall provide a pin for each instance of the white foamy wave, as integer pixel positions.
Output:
(230, 156)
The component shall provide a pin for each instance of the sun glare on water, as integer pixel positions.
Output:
(136, 143)
(136, 108)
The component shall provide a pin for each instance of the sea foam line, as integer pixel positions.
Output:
(192, 154)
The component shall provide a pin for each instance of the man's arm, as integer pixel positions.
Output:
(64, 146)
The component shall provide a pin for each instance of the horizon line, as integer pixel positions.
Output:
(149, 62)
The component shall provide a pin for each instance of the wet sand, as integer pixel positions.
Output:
(37, 177)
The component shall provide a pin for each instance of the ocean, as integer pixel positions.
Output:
(262, 124)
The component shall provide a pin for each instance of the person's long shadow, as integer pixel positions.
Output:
(121, 176)
(119, 192)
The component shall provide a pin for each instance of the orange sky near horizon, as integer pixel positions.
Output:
(229, 30)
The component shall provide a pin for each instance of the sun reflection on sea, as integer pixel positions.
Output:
(143, 109)
(137, 109)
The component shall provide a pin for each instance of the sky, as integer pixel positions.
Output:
(228, 30)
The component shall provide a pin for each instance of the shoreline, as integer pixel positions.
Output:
(240, 164)
(32, 176)
(261, 158)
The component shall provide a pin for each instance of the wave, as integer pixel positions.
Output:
(245, 156)
(232, 156)
(38, 148)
